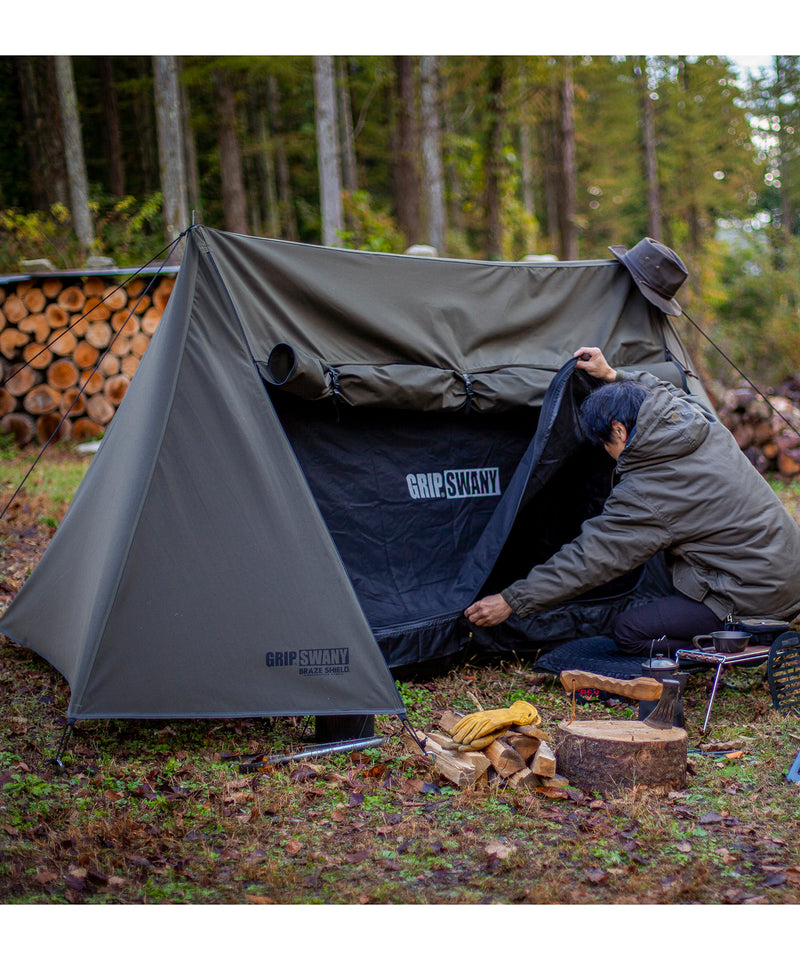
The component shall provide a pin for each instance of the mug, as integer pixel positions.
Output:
(724, 641)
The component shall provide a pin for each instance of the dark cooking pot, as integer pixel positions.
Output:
(659, 667)
(723, 641)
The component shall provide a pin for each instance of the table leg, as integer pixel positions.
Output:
(713, 694)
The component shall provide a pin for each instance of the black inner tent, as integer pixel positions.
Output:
(431, 510)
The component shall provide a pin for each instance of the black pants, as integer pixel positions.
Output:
(676, 617)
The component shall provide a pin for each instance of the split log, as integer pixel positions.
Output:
(35, 300)
(162, 293)
(125, 323)
(20, 426)
(91, 382)
(14, 308)
(99, 409)
(37, 356)
(94, 310)
(462, 769)
(73, 403)
(150, 321)
(99, 334)
(52, 287)
(36, 324)
(115, 298)
(62, 374)
(94, 287)
(63, 343)
(41, 399)
(71, 299)
(57, 317)
(524, 778)
(544, 761)
(504, 758)
(109, 365)
(115, 389)
(525, 746)
(85, 429)
(139, 344)
(120, 346)
(12, 341)
(615, 755)
(85, 355)
(129, 365)
(53, 426)
(21, 379)
(7, 402)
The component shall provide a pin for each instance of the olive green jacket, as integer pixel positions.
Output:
(683, 486)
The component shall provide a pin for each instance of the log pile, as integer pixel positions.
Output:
(769, 436)
(69, 350)
(521, 758)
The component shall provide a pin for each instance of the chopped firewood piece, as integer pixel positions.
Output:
(462, 769)
(532, 731)
(525, 746)
(524, 778)
(504, 758)
(544, 761)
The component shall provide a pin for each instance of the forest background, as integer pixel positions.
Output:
(490, 157)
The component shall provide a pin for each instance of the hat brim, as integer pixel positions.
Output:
(671, 307)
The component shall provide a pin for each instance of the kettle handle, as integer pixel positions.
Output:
(702, 636)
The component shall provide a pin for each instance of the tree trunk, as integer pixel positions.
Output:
(493, 160)
(193, 194)
(73, 148)
(265, 163)
(43, 139)
(116, 170)
(569, 228)
(234, 204)
(170, 146)
(433, 173)
(346, 137)
(654, 229)
(407, 170)
(330, 178)
(287, 219)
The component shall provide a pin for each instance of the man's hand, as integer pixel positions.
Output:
(488, 612)
(591, 360)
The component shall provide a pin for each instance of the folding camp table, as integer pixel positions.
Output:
(751, 655)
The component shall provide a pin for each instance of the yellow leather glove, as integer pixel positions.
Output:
(477, 727)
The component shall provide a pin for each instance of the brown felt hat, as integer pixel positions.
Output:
(657, 270)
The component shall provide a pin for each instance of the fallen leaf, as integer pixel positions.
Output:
(355, 800)
(255, 898)
(500, 850)
(710, 818)
(46, 876)
(683, 846)
(359, 856)
(595, 876)
(293, 847)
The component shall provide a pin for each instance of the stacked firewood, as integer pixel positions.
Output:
(68, 352)
(520, 758)
(768, 433)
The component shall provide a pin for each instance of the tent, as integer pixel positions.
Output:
(323, 458)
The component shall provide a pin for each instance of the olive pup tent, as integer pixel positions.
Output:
(323, 458)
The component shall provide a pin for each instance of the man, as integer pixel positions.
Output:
(682, 486)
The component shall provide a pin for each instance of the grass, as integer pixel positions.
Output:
(158, 813)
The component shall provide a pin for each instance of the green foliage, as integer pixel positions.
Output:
(368, 228)
(758, 308)
(127, 230)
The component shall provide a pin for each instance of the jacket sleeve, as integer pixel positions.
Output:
(624, 535)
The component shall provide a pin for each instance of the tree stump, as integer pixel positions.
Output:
(615, 755)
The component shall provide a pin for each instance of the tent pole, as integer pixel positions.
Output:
(323, 750)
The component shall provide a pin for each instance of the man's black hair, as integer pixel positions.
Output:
(614, 401)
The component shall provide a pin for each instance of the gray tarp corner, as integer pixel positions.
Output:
(245, 530)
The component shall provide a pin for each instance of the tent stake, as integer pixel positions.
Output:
(62, 743)
(324, 749)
